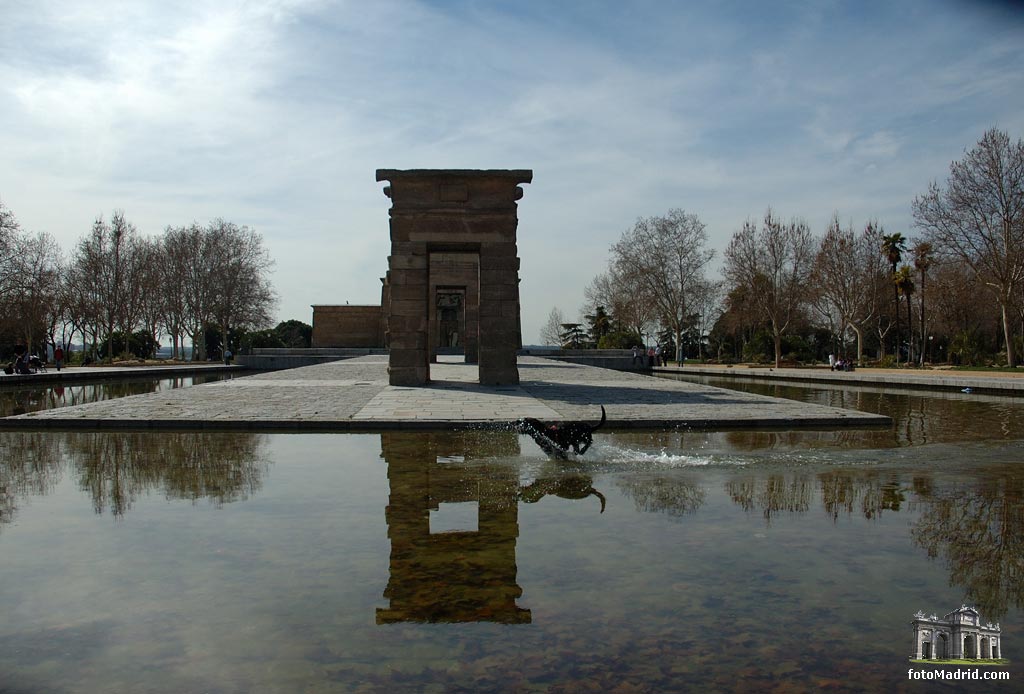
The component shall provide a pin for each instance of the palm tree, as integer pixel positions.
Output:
(904, 281)
(922, 262)
(893, 246)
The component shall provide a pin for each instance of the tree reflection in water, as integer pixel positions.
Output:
(674, 496)
(117, 468)
(30, 465)
(978, 531)
(865, 492)
(918, 417)
(29, 398)
(772, 494)
(975, 527)
(869, 493)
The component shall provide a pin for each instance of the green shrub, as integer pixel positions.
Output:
(619, 339)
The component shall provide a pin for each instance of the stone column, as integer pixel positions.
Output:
(409, 357)
(499, 314)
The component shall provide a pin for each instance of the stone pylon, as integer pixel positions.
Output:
(438, 212)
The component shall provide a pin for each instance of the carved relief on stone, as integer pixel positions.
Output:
(449, 300)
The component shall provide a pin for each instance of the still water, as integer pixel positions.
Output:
(400, 562)
(46, 396)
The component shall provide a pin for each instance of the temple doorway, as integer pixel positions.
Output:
(451, 322)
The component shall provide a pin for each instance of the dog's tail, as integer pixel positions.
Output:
(604, 418)
(599, 495)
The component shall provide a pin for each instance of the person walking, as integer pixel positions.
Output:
(58, 357)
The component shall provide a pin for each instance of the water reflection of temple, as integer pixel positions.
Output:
(439, 573)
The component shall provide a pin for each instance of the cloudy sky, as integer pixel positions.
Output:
(276, 113)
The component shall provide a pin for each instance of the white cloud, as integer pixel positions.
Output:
(275, 114)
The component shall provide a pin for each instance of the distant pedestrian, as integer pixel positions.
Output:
(636, 354)
(832, 361)
(227, 356)
(650, 357)
(657, 356)
(58, 357)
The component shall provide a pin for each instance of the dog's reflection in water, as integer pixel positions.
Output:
(571, 486)
(559, 438)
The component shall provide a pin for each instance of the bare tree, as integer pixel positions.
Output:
(137, 285)
(622, 295)
(184, 286)
(708, 307)
(979, 218)
(65, 321)
(10, 232)
(196, 256)
(104, 263)
(664, 258)
(242, 294)
(838, 277)
(38, 264)
(774, 265)
(86, 298)
(150, 294)
(551, 333)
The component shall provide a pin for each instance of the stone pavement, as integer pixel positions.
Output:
(354, 395)
(989, 382)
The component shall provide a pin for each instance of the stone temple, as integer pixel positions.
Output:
(452, 284)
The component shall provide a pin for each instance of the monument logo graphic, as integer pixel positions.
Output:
(960, 635)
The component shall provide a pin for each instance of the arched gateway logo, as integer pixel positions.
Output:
(959, 637)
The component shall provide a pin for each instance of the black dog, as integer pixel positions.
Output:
(559, 438)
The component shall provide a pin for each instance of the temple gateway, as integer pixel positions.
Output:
(452, 284)
(958, 635)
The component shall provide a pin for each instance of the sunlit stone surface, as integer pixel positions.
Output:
(355, 394)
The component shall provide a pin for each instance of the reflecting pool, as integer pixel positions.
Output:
(469, 562)
(15, 400)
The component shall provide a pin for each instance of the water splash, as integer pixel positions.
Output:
(660, 459)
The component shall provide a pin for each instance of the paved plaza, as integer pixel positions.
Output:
(990, 382)
(354, 395)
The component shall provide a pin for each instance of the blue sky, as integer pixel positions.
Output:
(276, 113)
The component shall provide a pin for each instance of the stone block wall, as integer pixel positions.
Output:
(348, 326)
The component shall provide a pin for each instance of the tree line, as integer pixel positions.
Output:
(118, 291)
(951, 292)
